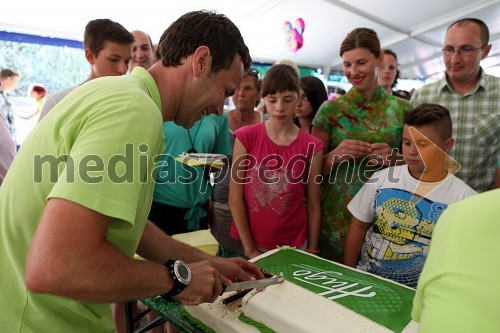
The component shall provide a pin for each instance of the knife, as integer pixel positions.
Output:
(254, 283)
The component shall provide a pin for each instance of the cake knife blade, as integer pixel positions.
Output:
(254, 283)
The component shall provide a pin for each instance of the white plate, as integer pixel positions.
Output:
(205, 158)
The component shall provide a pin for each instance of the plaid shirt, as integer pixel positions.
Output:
(6, 113)
(476, 126)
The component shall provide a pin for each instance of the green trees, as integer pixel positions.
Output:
(55, 67)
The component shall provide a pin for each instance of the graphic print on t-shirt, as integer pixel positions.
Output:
(270, 190)
(397, 244)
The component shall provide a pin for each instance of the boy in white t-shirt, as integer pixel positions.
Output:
(395, 212)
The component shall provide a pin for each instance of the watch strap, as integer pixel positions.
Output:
(178, 286)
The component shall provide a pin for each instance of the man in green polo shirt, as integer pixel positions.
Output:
(74, 204)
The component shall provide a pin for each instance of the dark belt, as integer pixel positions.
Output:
(172, 220)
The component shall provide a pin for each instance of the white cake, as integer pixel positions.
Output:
(289, 307)
(220, 317)
(285, 308)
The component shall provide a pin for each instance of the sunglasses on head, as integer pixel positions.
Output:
(254, 72)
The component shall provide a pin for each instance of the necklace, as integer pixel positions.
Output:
(192, 140)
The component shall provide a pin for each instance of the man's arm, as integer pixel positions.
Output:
(354, 241)
(71, 257)
(157, 246)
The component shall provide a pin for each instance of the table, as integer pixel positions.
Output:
(170, 311)
(167, 311)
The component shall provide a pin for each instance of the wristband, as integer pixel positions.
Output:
(181, 276)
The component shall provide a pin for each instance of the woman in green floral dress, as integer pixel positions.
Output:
(359, 131)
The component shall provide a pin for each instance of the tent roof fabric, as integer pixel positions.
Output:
(414, 29)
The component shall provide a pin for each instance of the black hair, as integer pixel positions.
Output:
(203, 28)
(315, 91)
(100, 31)
(280, 78)
(431, 114)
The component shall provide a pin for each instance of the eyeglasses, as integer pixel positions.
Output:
(254, 72)
(464, 51)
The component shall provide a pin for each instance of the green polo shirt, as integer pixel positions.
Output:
(458, 290)
(94, 148)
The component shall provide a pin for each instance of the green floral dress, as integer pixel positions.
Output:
(352, 116)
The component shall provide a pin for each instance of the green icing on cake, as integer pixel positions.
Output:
(195, 322)
(202, 327)
(261, 327)
(381, 301)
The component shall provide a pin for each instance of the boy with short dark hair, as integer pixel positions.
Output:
(395, 212)
(108, 50)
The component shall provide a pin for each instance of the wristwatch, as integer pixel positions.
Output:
(181, 274)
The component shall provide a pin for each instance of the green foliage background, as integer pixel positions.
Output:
(59, 67)
(56, 67)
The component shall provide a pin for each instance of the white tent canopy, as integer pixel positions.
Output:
(414, 29)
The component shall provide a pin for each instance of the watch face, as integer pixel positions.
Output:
(183, 272)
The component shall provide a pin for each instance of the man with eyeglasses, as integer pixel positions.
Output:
(473, 99)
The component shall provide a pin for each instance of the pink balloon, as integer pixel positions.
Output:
(300, 25)
(293, 35)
